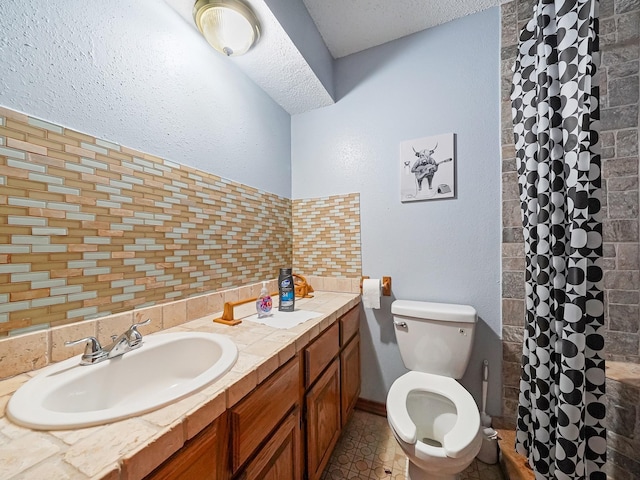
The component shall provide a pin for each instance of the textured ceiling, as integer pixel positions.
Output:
(274, 63)
(346, 26)
(351, 26)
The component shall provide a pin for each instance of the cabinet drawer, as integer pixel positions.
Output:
(253, 419)
(320, 353)
(349, 325)
(202, 457)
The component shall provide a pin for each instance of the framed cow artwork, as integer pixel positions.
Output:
(428, 168)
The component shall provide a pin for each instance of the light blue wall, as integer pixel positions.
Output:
(442, 80)
(135, 73)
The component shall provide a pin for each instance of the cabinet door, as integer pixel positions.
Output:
(203, 457)
(350, 377)
(260, 412)
(323, 420)
(279, 459)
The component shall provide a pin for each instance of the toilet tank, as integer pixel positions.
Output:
(434, 337)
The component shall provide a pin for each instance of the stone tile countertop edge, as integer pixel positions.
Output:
(132, 448)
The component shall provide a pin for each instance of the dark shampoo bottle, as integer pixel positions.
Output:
(286, 291)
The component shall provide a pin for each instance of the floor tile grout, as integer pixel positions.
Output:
(367, 450)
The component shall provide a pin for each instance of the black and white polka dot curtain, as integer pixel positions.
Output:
(560, 425)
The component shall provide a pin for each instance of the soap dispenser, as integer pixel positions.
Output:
(264, 303)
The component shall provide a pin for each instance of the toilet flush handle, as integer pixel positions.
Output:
(400, 324)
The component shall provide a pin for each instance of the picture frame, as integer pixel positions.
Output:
(428, 168)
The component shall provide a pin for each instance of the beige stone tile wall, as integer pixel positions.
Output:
(326, 236)
(90, 228)
(38, 349)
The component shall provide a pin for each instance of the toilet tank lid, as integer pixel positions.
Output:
(447, 312)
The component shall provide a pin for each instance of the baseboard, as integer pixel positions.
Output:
(370, 406)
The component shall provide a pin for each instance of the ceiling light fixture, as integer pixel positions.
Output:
(228, 25)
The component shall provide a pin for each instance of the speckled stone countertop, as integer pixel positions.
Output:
(132, 448)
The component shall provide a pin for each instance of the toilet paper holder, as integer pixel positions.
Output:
(386, 285)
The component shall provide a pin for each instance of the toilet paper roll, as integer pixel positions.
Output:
(371, 292)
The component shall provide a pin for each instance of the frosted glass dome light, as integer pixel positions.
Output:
(228, 25)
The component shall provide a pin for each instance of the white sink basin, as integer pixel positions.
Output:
(164, 369)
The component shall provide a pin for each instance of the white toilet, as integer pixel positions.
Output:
(434, 419)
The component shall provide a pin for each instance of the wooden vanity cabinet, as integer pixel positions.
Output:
(332, 381)
(349, 362)
(259, 417)
(203, 457)
(349, 378)
(279, 458)
(349, 325)
(288, 424)
(320, 353)
(323, 422)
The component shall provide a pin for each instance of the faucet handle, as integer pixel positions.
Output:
(93, 345)
(133, 335)
(92, 351)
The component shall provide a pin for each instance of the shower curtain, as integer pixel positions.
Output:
(560, 424)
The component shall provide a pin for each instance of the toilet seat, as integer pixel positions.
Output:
(467, 426)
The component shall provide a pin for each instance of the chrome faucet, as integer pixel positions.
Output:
(96, 353)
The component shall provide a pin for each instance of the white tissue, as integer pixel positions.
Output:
(371, 292)
(284, 320)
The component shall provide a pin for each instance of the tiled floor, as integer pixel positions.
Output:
(367, 450)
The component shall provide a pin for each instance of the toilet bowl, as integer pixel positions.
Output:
(434, 419)
(437, 424)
